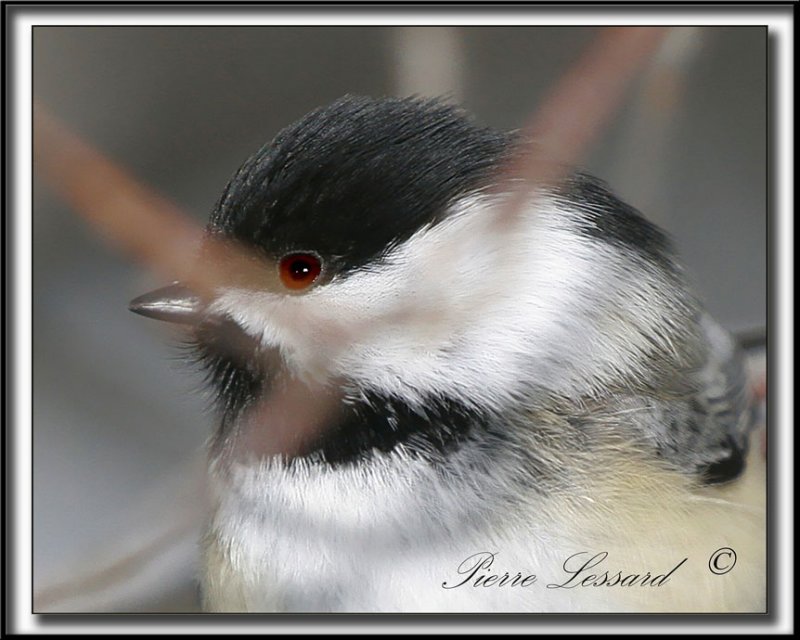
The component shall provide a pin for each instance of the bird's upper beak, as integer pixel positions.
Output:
(174, 303)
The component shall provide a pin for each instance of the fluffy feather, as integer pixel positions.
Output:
(386, 535)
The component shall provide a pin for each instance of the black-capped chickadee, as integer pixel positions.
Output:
(528, 414)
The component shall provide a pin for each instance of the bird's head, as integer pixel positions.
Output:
(384, 265)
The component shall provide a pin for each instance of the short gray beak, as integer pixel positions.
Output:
(174, 303)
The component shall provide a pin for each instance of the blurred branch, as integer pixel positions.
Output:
(151, 559)
(130, 215)
(647, 135)
(428, 61)
(577, 110)
(136, 219)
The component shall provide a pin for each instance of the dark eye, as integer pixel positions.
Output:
(299, 270)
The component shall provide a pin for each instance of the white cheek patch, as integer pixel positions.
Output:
(468, 295)
(468, 307)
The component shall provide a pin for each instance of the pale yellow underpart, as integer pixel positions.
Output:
(650, 518)
(646, 517)
(223, 586)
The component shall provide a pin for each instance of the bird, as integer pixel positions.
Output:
(517, 412)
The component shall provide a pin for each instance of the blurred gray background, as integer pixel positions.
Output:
(119, 420)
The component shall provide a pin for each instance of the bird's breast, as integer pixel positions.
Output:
(396, 535)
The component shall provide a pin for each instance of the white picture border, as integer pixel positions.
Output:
(20, 20)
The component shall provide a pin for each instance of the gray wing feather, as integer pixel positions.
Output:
(723, 409)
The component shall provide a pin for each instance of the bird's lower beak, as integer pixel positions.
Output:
(174, 303)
